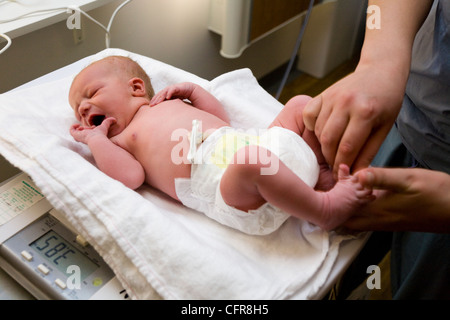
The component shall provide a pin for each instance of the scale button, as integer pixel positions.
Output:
(43, 269)
(27, 255)
(97, 282)
(60, 283)
(82, 241)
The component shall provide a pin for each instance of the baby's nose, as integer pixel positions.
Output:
(84, 108)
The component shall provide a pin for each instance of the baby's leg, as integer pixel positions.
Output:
(291, 118)
(245, 188)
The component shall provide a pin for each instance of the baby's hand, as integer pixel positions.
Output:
(175, 91)
(83, 134)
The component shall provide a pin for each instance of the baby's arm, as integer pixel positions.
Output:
(199, 97)
(109, 157)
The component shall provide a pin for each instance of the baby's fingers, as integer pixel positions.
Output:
(106, 124)
(158, 98)
(76, 131)
(75, 126)
(172, 92)
(109, 121)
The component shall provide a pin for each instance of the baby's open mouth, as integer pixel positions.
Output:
(96, 120)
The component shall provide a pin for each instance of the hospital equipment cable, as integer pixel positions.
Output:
(295, 51)
(68, 9)
(8, 42)
(112, 19)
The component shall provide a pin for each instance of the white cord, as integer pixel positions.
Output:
(111, 21)
(43, 11)
(107, 29)
(8, 42)
(87, 16)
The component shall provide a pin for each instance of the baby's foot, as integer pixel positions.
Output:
(326, 181)
(345, 199)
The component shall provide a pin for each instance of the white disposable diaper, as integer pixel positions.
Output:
(202, 191)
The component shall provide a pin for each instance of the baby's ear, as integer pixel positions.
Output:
(137, 87)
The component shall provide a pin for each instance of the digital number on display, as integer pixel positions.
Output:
(59, 253)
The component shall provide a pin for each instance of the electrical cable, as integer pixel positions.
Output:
(112, 19)
(295, 51)
(8, 42)
(108, 28)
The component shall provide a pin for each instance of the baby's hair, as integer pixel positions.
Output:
(132, 69)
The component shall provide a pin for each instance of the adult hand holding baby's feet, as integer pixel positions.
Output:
(347, 198)
(407, 199)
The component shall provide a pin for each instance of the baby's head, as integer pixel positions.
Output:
(115, 86)
(128, 68)
(125, 66)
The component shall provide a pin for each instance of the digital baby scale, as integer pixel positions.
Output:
(46, 256)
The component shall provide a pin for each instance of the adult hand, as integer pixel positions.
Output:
(352, 117)
(406, 200)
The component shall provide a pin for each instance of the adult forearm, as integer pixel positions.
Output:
(389, 41)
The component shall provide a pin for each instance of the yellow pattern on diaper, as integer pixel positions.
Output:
(227, 146)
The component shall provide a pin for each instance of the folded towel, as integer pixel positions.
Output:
(157, 247)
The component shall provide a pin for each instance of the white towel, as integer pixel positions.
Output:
(157, 247)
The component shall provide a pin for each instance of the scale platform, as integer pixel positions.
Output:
(43, 253)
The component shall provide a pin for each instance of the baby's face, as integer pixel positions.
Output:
(98, 93)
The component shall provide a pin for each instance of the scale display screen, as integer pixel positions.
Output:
(61, 254)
